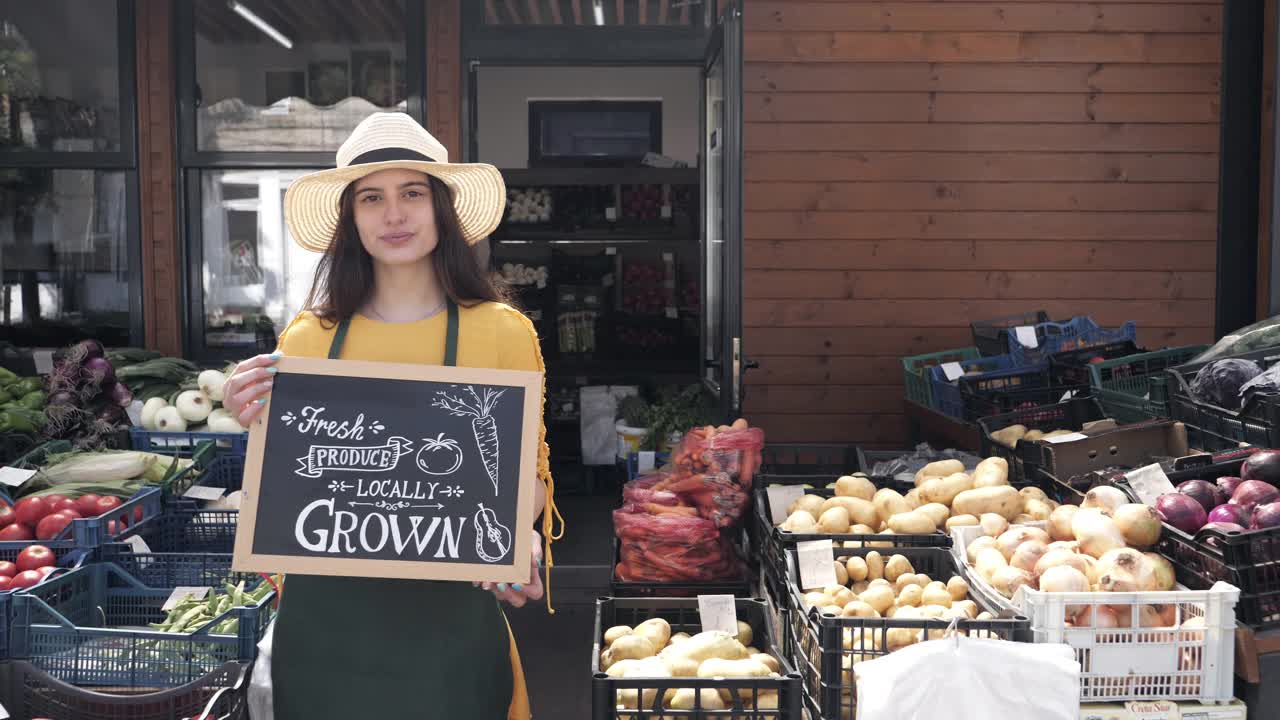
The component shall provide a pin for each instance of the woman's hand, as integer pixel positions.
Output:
(246, 390)
(519, 594)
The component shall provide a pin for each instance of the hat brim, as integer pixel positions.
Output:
(312, 202)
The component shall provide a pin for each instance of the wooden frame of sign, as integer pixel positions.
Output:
(327, 491)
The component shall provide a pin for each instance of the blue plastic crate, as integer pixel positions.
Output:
(185, 527)
(82, 627)
(633, 463)
(220, 471)
(1075, 334)
(131, 516)
(183, 444)
(68, 560)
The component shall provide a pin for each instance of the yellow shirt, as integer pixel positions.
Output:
(490, 335)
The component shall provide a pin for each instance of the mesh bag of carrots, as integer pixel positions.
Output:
(672, 548)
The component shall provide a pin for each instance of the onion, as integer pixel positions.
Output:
(978, 545)
(1252, 493)
(1011, 539)
(100, 371)
(1105, 498)
(1228, 513)
(1060, 522)
(1064, 578)
(1008, 579)
(1181, 511)
(1228, 484)
(1265, 516)
(110, 413)
(1097, 616)
(62, 397)
(120, 395)
(1126, 570)
(1028, 554)
(1149, 616)
(1168, 614)
(91, 348)
(1096, 532)
(1071, 545)
(1138, 523)
(1264, 466)
(1202, 491)
(1060, 558)
(1165, 578)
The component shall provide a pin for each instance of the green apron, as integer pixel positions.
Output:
(347, 647)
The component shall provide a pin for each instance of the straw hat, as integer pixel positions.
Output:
(383, 141)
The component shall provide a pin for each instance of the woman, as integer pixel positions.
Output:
(399, 281)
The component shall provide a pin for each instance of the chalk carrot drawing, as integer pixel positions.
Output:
(483, 425)
(493, 539)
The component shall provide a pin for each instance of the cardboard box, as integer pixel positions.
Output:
(1163, 710)
(1132, 446)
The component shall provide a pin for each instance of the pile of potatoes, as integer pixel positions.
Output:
(650, 650)
(945, 496)
(1011, 435)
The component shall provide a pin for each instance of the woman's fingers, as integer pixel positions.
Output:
(249, 383)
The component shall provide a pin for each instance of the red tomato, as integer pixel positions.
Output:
(113, 527)
(137, 514)
(8, 569)
(33, 557)
(17, 531)
(7, 516)
(5, 581)
(54, 499)
(31, 510)
(52, 525)
(88, 505)
(25, 579)
(107, 503)
(47, 570)
(67, 504)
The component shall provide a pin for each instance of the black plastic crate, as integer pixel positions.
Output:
(1069, 415)
(991, 337)
(751, 697)
(620, 588)
(1072, 367)
(14, 445)
(808, 460)
(1256, 423)
(32, 693)
(819, 646)
(987, 397)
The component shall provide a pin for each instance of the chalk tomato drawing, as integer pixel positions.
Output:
(439, 456)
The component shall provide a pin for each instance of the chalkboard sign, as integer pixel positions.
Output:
(386, 470)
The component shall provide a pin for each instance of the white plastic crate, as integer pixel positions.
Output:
(1131, 663)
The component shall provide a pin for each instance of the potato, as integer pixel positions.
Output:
(800, 522)
(968, 607)
(944, 490)
(879, 597)
(815, 599)
(937, 511)
(889, 503)
(904, 580)
(910, 595)
(991, 472)
(875, 565)
(834, 521)
(1033, 493)
(896, 567)
(857, 608)
(684, 699)
(977, 546)
(808, 503)
(941, 468)
(744, 668)
(744, 631)
(993, 524)
(857, 569)
(915, 522)
(708, 644)
(682, 667)
(989, 561)
(1002, 500)
(615, 632)
(882, 543)
(843, 597)
(832, 610)
(922, 580)
(617, 669)
(657, 630)
(770, 661)
(1009, 436)
(958, 588)
(936, 594)
(1033, 435)
(860, 512)
(934, 611)
(842, 573)
(629, 647)
(859, 587)
(881, 581)
(961, 521)
(855, 486)
(913, 498)
(898, 638)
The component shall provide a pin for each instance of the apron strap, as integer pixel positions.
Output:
(450, 337)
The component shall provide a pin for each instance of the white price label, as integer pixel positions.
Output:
(817, 564)
(611, 214)
(780, 498)
(1026, 335)
(1066, 438)
(1149, 483)
(13, 477)
(44, 361)
(139, 545)
(4, 714)
(202, 492)
(673, 313)
(718, 612)
(611, 251)
(952, 370)
(668, 257)
(181, 593)
(666, 212)
(646, 461)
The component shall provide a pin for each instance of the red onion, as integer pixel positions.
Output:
(62, 397)
(1202, 491)
(1263, 465)
(100, 370)
(1251, 493)
(1228, 484)
(1181, 511)
(90, 348)
(121, 395)
(1266, 516)
(1228, 513)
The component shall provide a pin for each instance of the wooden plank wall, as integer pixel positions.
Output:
(911, 166)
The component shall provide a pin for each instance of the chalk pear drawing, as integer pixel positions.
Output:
(439, 456)
(493, 539)
(485, 428)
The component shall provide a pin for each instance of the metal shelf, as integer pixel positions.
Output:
(521, 177)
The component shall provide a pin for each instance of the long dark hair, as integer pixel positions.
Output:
(344, 276)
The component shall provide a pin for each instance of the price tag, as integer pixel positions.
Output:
(1149, 483)
(718, 612)
(952, 370)
(611, 214)
(611, 251)
(202, 492)
(181, 593)
(668, 257)
(13, 477)
(780, 498)
(817, 564)
(4, 714)
(1066, 438)
(646, 460)
(673, 313)
(44, 361)
(1026, 335)
(666, 212)
(139, 545)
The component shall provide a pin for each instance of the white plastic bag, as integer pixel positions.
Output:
(261, 706)
(974, 678)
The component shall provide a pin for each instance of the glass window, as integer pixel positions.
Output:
(594, 13)
(54, 94)
(64, 256)
(278, 76)
(255, 277)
